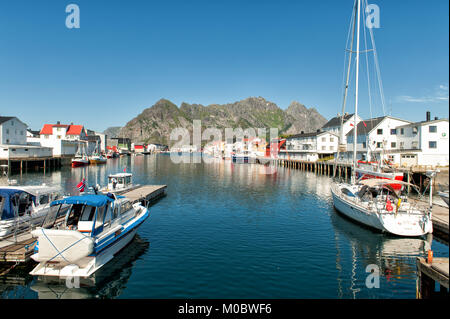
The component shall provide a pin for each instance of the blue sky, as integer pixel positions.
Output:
(129, 54)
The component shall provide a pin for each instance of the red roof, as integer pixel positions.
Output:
(74, 130)
(47, 129)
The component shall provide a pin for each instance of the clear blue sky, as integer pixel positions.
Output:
(129, 54)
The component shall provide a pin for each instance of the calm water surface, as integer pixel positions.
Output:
(232, 231)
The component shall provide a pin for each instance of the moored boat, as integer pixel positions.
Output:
(24, 207)
(119, 183)
(96, 228)
(97, 159)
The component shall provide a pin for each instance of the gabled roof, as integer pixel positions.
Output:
(336, 121)
(47, 129)
(5, 118)
(366, 126)
(424, 122)
(309, 134)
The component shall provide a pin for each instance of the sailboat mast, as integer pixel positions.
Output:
(355, 133)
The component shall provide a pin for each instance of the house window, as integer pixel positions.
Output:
(46, 136)
(415, 130)
(380, 131)
(364, 145)
(21, 132)
(58, 137)
(432, 144)
(393, 145)
(323, 148)
(7, 131)
(379, 144)
(331, 139)
(402, 131)
(432, 128)
(331, 148)
(393, 131)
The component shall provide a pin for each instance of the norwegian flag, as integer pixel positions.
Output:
(81, 185)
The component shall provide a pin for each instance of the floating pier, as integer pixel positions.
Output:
(146, 194)
(428, 275)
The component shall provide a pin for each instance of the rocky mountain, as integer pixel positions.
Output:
(112, 131)
(155, 123)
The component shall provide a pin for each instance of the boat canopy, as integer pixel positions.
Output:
(372, 182)
(91, 200)
(11, 201)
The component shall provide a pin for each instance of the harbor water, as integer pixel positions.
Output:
(229, 230)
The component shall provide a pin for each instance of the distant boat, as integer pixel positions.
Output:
(96, 157)
(80, 159)
(119, 183)
(243, 157)
(95, 229)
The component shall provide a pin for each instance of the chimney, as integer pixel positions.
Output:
(58, 122)
(318, 130)
(302, 132)
(436, 118)
(428, 116)
(71, 123)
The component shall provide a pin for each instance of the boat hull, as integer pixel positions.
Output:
(86, 262)
(77, 163)
(402, 224)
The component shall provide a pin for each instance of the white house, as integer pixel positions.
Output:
(310, 146)
(375, 137)
(12, 131)
(64, 139)
(422, 143)
(334, 125)
(13, 141)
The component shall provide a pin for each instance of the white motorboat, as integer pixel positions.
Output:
(96, 227)
(24, 207)
(119, 183)
(373, 202)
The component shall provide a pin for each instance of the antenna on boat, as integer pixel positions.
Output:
(355, 128)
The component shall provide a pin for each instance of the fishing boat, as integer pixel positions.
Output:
(97, 157)
(119, 183)
(96, 227)
(80, 159)
(24, 207)
(373, 202)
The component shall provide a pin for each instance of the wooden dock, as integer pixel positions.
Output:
(430, 273)
(18, 252)
(440, 222)
(146, 194)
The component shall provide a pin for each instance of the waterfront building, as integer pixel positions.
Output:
(423, 143)
(310, 147)
(334, 125)
(375, 137)
(13, 141)
(64, 139)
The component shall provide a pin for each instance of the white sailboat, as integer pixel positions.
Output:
(373, 202)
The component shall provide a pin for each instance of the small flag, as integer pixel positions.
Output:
(364, 123)
(81, 185)
(125, 169)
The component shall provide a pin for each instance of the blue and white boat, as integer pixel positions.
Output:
(95, 228)
(24, 207)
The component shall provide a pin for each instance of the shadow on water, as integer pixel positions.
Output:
(108, 282)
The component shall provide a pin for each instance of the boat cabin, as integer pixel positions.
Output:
(90, 214)
(120, 181)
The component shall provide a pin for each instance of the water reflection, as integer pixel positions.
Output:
(108, 282)
(358, 247)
